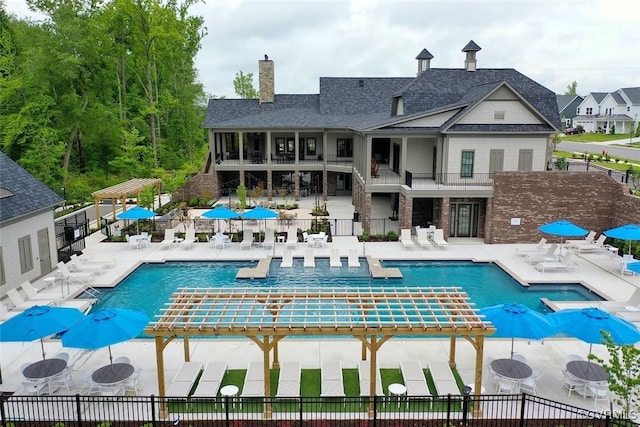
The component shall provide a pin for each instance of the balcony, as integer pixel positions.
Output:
(448, 181)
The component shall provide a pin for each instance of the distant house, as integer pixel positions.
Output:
(27, 246)
(602, 111)
(568, 108)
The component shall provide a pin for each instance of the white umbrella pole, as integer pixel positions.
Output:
(512, 339)
(42, 347)
(110, 356)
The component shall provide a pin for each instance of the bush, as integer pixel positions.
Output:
(392, 236)
(365, 236)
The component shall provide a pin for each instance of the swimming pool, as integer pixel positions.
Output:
(150, 286)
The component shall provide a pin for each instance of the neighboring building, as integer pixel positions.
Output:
(600, 111)
(568, 108)
(430, 144)
(27, 243)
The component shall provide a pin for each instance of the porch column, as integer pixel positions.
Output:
(325, 142)
(297, 149)
(445, 216)
(241, 147)
(403, 160)
(268, 141)
(269, 184)
(405, 211)
(367, 162)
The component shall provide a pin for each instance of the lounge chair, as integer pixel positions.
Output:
(81, 278)
(289, 380)
(309, 259)
(254, 380)
(21, 304)
(590, 238)
(189, 238)
(422, 237)
(414, 379)
(537, 250)
(184, 380)
(77, 267)
(305, 238)
(269, 239)
(106, 263)
(210, 379)
(443, 378)
(169, 237)
(535, 257)
(6, 314)
(564, 263)
(405, 239)
(334, 258)
(287, 259)
(438, 238)
(292, 239)
(247, 238)
(331, 382)
(352, 260)
(615, 306)
(596, 246)
(33, 294)
(364, 372)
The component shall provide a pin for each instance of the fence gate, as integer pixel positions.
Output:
(70, 234)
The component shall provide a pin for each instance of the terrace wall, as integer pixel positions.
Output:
(591, 200)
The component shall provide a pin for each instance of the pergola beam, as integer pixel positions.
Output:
(121, 192)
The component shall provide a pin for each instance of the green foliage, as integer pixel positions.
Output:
(241, 192)
(243, 86)
(612, 130)
(623, 368)
(572, 88)
(561, 163)
(392, 236)
(365, 236)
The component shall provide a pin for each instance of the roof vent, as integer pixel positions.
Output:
(470, 62)
(424, 60)
(361, 83)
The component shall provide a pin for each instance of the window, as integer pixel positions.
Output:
(3, 278)
(466, 166)
(345, 147)
(628, 108)
(498, 115)
(525, 160)
(26, 259)
(589, 111)
(496, 161)
(280, 147)
(311, 146)
(578, 110)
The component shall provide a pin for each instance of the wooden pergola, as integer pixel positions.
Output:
(121, 192)
(373, 315)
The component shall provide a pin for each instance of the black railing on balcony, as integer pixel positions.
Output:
(582, 166)
(332, 159)
(430, 181)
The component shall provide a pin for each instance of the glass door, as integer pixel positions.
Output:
(464, 220)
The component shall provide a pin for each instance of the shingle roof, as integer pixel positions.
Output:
(471, 47)
(633, 93)
(564, 100)
(618, 98)
(599, 96)
(425, 54)
(29, 194)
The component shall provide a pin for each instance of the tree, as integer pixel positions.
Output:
(241, 192)
(572, 88)
(243, 86)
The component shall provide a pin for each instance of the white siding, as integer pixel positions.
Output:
(434, 120)
(11, 233)
(483, 145)
(515, 113)
(420, 155)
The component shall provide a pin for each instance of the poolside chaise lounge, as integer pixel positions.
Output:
(107, 263)
(83, 278)
(169, 237)
(414, 379)
(189, 238)
(254, 380)
(309, 259)
(33, 294)
(292, 239)
(210, 379)
(289, 380)
(21, 304)
(247, 238)
(184, 379)
(438, 239)
(422, 238)
(75, 266)
(443, 378)
(331, 382)
(405, 239)
(596, 246)
(564, 263)
(535, 257)
(615, 306)
(287, 259)
(352, 260)
(269, 239)
(334, 258)
(590, 238)
(364, 372)
(539, 248)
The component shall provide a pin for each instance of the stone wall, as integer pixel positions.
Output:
(201, 185)
(588, 199)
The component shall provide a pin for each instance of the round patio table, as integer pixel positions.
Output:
(587, 371)
(46, 368)
(510, 368)
(112, 374)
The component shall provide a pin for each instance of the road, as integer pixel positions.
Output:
(597, 148)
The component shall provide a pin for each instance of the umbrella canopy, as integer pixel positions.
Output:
(136, 213)
(105, 327)
(587, 323)
(634, 266)
(38, 322)
(220, 212)
(626, 232)
(563, 228)
(260, 212)
(518, 321)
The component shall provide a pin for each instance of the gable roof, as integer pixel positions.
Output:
(598, 96)
(633, 93)
(28, 194)
(565, 101)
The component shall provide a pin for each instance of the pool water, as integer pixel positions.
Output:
(150, 286)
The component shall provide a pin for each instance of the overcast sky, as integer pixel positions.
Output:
(596, 43)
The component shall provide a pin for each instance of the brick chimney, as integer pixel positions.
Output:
(266, 80)
(470, 62)
(424, 60)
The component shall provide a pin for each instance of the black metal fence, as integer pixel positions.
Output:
(624, 177)
(150, 411)
(437, 181)
(71, 231)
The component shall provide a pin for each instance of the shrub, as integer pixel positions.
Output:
(392, 236)
(365, 236)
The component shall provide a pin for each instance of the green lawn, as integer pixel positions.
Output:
(620, 166)
(594, 137)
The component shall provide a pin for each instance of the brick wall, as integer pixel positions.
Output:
(201, 185)
(591, 200)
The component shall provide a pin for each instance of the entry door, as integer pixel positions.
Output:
(396, 158)
(464, 220)
(44, 251)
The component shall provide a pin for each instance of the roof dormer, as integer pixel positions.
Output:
(470, 61)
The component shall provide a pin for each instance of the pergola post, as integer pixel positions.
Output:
(267, 377)
(373, 375)
(97, 207)
(477, 386)
(160, 371)
(185, 348)
(452, 351)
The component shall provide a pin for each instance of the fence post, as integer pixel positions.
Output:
(466, 390)
(375, 409)
(3, 416)
(153, 410)
(522, 408)
(78, 411)
(448, 409)
(226, 410)
(607, 421)
(300, 408)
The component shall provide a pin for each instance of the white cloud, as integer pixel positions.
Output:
(594, 42)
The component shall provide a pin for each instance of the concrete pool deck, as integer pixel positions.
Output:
(548, 356)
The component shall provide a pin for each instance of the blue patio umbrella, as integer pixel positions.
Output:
(259, 212)
(518, 321)
(587, 325)
(220, 212)
(625, 232)
(136, 213)
(105, 327)
(563, 228)
(38, 322)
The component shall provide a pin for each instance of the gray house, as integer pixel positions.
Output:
(27, 245)
(568, 108)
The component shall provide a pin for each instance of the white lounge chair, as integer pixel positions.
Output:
(438, 238)
(422, 237)
(184, 380)
(537, 250)
(210, 379)
(287, 259)
(405, 239)
(247, 238)
(414, 379)
(352, 260)
(615, 306)
(535, 257)
(596, 246)
(289, 380)
(364, 372)
(331, 382)
(21, 304)
(77, 267)
(254, 380)
(292, 239)
(269, 239)
(309, 258)
(189, 238)
(33, 294)
(106, 263)
(443, 378)
(564, 263)
(334, 258)
(169, 237)
(82, 278)
(590, 238)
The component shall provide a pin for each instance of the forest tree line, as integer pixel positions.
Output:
(102, 91)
